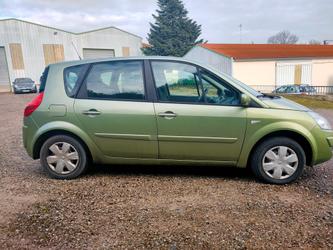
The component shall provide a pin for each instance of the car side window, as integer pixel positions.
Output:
(176, 82)
(116, 80)
(216, 91)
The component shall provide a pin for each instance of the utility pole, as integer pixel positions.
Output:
(240, 33)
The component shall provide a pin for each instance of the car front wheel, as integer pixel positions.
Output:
(63, 157)
(278, 160)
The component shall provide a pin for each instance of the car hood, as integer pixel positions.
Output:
(283, 103)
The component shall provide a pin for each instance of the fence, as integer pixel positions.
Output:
(320, 90)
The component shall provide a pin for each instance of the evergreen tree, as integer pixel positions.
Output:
(173, 33)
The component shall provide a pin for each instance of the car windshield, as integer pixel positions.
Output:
(248, 88)
(23, 80)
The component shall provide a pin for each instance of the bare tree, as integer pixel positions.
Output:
(283, 37)
(314, 42)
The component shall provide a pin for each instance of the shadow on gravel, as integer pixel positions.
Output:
(171, 170)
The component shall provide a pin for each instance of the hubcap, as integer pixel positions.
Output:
(62, 158)
(280, 162)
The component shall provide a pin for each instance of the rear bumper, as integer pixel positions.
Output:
(28, 131)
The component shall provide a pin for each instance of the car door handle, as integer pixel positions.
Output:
(91, 112)
(167, 115)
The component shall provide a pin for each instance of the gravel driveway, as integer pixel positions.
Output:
(153, 206)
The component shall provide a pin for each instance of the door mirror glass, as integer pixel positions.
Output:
(245, 100)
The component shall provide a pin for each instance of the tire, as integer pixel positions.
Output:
(278, 160)
(63, 157)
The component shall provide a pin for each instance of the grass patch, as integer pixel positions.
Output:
(319, 102)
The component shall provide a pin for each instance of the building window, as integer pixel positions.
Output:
(53, 53)
(16, 55)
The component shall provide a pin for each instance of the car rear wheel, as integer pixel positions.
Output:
(278, 160)
(63, 157)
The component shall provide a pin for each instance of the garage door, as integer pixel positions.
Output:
(4, 74)
(293, 73)
(97, 53)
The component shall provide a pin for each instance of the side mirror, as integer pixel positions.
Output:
(245, 100)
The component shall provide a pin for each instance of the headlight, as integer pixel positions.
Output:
(321, 121)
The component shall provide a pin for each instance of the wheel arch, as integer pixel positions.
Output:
(298, 137)
(46, 135)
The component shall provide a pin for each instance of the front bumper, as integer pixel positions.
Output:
(25, 90)
(324, 145)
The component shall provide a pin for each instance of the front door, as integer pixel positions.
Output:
(112, 108)
(199, 116)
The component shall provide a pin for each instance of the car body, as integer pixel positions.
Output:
(24, 85)
(164, 110)
(294, 89)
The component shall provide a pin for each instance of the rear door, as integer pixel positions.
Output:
(199, 116)
(112, 108)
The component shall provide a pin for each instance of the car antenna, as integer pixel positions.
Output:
(76, 50)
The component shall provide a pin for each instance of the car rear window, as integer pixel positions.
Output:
(43, 79)
(72, 77)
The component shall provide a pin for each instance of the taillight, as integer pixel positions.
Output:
(33, 105)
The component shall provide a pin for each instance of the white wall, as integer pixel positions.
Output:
(210, 58)
(255, 72)
(110, 38)
(317, 72)
(322, 72)
(32, 37)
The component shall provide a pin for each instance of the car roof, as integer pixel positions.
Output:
(84, 61)
(301, 85)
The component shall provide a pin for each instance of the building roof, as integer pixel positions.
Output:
(146, 45)
(75, 33)
(265, 51)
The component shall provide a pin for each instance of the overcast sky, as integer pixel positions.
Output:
(220, 19)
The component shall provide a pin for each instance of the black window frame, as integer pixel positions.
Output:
(83, 93)
(43, 79)
(198, 68)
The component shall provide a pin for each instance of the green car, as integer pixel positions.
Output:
(162, 110)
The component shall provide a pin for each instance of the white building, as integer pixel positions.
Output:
(269, 64)
(26, 48)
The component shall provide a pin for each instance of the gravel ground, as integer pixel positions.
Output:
(153, 206)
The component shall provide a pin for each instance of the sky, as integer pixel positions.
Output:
(220, 19)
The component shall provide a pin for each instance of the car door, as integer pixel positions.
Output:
(199, 116)
(112, 108)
